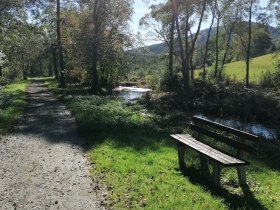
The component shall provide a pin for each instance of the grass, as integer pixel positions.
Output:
(137, 162)
(12, 104)
(134, 159)
(258, 66)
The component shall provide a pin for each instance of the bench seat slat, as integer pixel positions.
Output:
(209, 151)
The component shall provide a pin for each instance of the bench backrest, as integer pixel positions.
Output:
(210, 128)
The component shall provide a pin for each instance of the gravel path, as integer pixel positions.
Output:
(42, 164)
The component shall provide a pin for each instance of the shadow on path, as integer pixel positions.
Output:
(47, 117)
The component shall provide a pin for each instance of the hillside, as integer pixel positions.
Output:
(259, 65)
(157, 49)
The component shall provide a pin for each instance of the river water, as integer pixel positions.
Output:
(130, 93)
(253, 128)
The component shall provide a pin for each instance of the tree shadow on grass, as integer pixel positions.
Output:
(234, 201)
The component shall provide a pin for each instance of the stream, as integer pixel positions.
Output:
(253, 128)
(130, 93)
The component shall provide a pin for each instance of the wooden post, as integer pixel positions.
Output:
(241, 170)
(181, 155)
(204, 164)
(216, 174)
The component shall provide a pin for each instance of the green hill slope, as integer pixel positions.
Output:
(258, 66)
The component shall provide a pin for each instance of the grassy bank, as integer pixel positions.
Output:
(12, 104)
(137, 162)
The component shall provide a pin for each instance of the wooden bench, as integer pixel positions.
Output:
(234, 138)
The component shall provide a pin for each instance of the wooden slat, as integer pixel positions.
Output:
(209, 151)
(234, 131)
(204, 149)
(226, 140)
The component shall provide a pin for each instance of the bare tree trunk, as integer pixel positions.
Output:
(95, 84)
(217, 46)
(206, 48)
(248, 53)
(1, 74)
(59, 46)
(54, 61)
(23, 61)
(187, 48)
(50, 73)
(185, 70)
(195, 39)
(171, 51)
(227, 48)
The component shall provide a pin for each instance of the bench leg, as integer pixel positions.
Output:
(216, 174)
(241, 175)
(204, 164)
(181, 155)
(241, 171)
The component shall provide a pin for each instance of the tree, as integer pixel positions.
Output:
(248, 51)
(59, 45)
(161, 21)
(246, 37)
(212, 6)
(185, 64)
(2, 60)
(229, 20)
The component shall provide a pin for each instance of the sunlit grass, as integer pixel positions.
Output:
(12, 104)
(258, 67)
(138, 163)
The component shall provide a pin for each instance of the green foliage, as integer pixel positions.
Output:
(12, 105)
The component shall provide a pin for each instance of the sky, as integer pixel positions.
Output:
(140, 9)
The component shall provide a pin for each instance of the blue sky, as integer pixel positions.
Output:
(140, 9)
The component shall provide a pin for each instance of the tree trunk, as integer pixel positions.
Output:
(41, 68)
(1, 74)
(195, 39)
(248, 53)
(217, 46)
(54, 61)
(227, 48)
(187, 50)
(171, 52)
(50, 73)
(185, 70)
(206, 48)
(95, 84)
(59, 45)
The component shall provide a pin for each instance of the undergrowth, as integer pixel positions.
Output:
(12, 104)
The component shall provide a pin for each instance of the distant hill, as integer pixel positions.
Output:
(157, 49)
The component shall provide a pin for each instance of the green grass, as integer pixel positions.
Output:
(137, 162)
(12, 104)
(258, 66)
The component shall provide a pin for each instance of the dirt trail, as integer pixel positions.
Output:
(42, 164)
